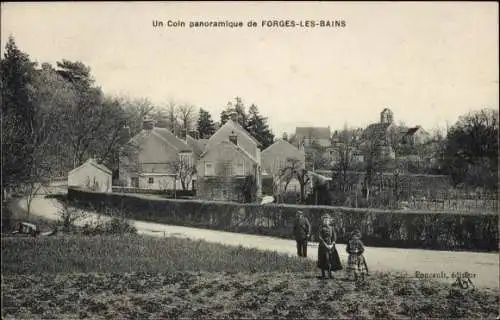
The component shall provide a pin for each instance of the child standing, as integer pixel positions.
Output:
(356, 263)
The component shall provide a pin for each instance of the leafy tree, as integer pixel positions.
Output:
(257, 126)
(206, 126)
(18, 115)
(471, 153)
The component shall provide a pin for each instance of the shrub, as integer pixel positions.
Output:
(432, 230)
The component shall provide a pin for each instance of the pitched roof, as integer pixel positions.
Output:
(165, 135)
(93, 163)
(313, 132)
(243, 151)
(198, 145)
(239, 127)
(412, 131)
(170, 138)
(280, 142)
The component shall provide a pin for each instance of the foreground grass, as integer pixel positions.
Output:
(147, 278)
(67, 254)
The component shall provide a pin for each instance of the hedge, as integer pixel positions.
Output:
(384, 228)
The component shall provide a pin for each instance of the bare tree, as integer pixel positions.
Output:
(186, 114)
(184, 171)
(295, 169)
(344, 148)
(171, 111)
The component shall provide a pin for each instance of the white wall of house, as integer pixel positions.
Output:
(90, 177)
(161, 182)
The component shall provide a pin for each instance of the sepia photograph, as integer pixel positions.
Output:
(249, 160)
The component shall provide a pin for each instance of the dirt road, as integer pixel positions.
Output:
(485, 266)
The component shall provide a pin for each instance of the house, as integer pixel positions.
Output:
(159, 160)
(310, 135)
(91, 176)
(415, 136)
(230, 156)
(277, 157)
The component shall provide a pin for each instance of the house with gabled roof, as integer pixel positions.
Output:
(155, 159)
(230, 157)
(92, 176)
(309, 135)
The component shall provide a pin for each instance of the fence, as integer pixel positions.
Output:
(164, 193)
(409, 229)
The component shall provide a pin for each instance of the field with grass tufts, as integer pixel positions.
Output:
(131, 277)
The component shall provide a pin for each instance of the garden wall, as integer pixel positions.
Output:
(408, 229)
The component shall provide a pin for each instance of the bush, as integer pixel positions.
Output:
(407, 229)
(7, 218)
(115, 224)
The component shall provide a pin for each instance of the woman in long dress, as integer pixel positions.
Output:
(328, 257)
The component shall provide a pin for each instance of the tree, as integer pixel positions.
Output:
(186, 114)
(171, 110)
(344, 148)
(315, 157)
(295, 169)
(184, 171)
(136, 110)
(18, 115)
(84, 118)
(257, 126)
(206, 126)
(471, 153)
(239, 108)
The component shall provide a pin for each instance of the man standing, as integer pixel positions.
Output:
(301, 230)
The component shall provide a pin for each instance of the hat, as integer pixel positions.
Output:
(356, 232)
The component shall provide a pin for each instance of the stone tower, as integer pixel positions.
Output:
(386, 116)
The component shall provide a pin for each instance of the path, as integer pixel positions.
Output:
(484, 265)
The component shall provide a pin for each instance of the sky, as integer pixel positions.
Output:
(428, 62)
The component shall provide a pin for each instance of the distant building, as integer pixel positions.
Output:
(276, 157)
(91, 176)
(310, 135)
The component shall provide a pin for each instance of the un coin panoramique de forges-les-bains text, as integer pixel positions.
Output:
(251, 24)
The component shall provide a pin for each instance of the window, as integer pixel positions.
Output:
(151, 180)
(209, 169)
(240, 168)
(227, 169)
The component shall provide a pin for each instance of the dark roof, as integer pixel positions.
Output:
(313, 132)
(412, 130)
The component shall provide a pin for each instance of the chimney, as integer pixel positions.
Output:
(147, 123)
(233, 138)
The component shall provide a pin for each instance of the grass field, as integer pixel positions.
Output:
(136, 277)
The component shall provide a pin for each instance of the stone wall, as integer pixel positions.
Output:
(221, 188)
